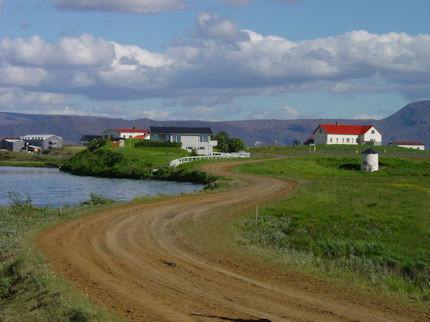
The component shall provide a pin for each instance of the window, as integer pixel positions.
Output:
(347, 140)
(373, 131)
(331, 140)
(176, 138)
(189, 148)
(202, 148)
(204, 138)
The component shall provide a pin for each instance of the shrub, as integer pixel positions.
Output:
(155, 144)
(96, 200)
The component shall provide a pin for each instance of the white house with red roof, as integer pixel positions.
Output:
(126, 134)
(347, 134)
(409, 145)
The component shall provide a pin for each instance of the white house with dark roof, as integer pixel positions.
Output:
(197, 138)
(347, 134)
(126, 134)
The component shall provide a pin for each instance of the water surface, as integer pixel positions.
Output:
(45, 186)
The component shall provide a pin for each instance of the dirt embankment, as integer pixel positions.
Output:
(133, 261)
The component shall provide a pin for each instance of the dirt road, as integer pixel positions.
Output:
(135, 261)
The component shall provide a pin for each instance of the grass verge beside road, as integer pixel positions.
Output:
(29, 290)
(369, 227)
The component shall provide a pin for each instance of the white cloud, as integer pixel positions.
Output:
(221, 61)
(242, 3)
(235, 2)
(368, 117)
(127, 6)
(17, 99)
(84, 51)
(152, 114)
(288, 111)
(211, 25)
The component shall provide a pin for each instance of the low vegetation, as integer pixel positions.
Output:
(29, 291)
(51, 159)
(142, 162)
(371, 227)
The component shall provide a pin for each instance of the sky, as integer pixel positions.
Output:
(214, 60)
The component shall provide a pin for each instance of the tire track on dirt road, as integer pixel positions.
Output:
(133, 261)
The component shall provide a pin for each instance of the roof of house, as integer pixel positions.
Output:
(180, 130)
(407, 143)
(345, 129)
(131, 130)
(38, 136)
(140, 137)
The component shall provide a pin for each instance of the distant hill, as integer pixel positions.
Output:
(411, 123)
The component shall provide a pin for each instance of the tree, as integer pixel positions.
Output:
(222, 138)
(227, 144)
(235, 145)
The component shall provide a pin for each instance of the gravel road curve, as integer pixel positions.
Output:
(133, 261)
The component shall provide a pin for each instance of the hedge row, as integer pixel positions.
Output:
(147, 143)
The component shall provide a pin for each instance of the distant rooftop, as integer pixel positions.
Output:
(32, 136)
(407, 143)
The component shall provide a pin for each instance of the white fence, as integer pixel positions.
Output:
(215, 155)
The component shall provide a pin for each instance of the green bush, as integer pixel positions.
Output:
(156, 144)
(96, 200)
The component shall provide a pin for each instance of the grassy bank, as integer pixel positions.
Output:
(134, 163)
(371, 228)
(52, 159)
(29, 291)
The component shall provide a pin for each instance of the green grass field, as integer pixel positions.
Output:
(376, 225)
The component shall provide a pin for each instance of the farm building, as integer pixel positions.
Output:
(126, 134)
(347, 134)
(409, 145)
(44, 141)
(12, 144)
(192, 138)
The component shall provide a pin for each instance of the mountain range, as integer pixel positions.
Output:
(411, 123)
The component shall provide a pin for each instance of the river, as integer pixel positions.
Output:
(47, 186)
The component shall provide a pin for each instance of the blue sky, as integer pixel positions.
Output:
(214, 59)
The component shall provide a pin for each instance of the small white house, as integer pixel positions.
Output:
(347, 134)
(126, 134)
(409, 145)
(192, 138)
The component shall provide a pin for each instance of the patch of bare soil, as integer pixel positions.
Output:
(134, 261)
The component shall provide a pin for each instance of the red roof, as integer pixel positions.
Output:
(346, 129)
(140, 137)
(407, 143)
(131, 130)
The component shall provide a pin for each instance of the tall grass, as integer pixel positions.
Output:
(29, 291)
(372, 224)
